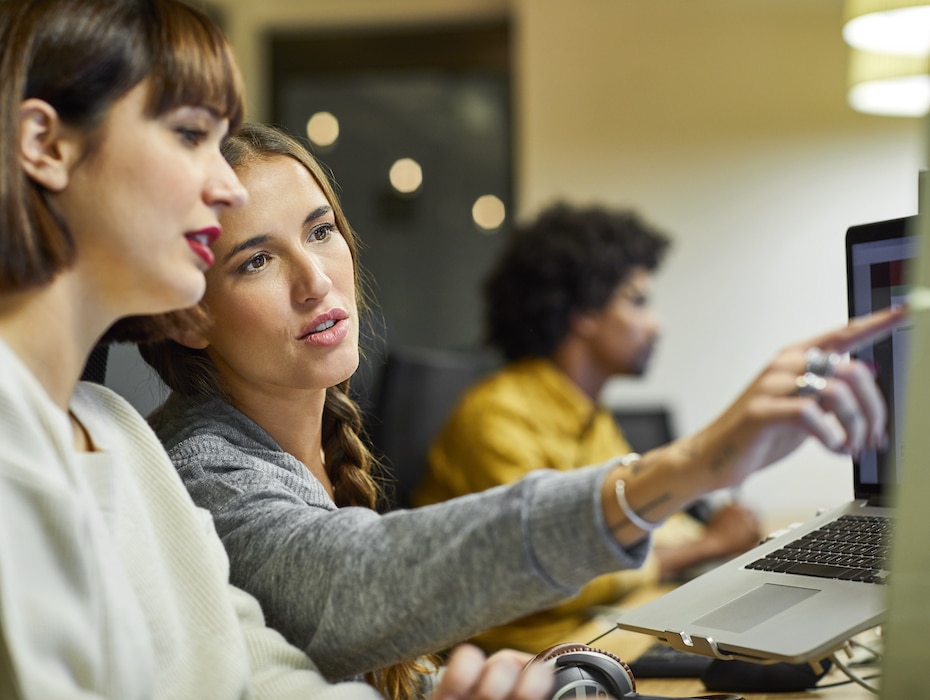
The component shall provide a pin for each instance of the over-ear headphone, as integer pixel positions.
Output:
(585, 672)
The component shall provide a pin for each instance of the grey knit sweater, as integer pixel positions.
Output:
(358, 590)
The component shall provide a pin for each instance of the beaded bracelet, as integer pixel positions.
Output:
(620, 491)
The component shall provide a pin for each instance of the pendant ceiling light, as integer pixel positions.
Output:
(890, 56)
(888, 26)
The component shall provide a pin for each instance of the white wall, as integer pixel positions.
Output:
(726, 124)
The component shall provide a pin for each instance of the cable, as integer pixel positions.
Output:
(601, 636)
(851, 674)
(856, 643)
(847, 681)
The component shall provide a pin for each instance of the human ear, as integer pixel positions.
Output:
(189, 338)
(583, 324)
(187, 327)
(45, 150)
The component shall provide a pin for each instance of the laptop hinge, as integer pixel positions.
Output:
(696, 645)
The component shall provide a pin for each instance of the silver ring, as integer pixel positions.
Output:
(810, 384)
(823, 364)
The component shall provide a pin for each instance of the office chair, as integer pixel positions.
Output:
(417, 389)
(96, 368)
(645, 427)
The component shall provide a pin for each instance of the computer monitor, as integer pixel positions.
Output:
(906, 671)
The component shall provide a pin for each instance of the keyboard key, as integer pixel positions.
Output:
(852, 548)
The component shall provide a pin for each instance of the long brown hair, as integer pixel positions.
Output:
(81, 56)
(348, 460)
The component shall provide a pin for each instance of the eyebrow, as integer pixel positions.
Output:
(252, 242)
(261, 239)
(317, 213)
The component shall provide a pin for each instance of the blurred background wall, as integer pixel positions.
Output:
(722, 121)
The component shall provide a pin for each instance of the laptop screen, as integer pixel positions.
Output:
(877, 257)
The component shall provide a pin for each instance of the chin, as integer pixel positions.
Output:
(190, 294)
(334, 371)
(349, 370)
(180, 300)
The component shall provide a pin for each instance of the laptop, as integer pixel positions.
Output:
(768, 605)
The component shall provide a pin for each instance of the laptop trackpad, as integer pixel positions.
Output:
(754, 607)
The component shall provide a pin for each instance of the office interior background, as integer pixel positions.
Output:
(724, 122)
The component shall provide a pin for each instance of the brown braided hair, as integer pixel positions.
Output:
(348, 461)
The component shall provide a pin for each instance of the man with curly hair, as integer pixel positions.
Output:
(568, 307)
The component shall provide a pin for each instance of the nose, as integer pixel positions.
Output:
(223, 188)
(656, 325)
(309, 280)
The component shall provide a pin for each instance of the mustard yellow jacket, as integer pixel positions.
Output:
(528, 415)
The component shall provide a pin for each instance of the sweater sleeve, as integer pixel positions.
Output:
(358, 591)
(281, 671)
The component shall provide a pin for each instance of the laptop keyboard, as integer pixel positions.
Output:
(851, 548)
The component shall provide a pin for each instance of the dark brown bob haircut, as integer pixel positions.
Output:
(81, 56)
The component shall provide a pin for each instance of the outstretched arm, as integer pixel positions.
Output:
(778, 411)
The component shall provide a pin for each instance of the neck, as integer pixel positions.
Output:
(293, 418)
(53, 330)
(575, 361)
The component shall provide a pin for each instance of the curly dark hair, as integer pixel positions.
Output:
(568, 260)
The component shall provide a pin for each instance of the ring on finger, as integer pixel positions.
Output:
(821, 363)
(810, 384)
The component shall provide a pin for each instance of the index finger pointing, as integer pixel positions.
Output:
(861, 331)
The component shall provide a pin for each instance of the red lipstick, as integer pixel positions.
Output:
(200, 242)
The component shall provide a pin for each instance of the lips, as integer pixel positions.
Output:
(323, 322)
(326, 330)
(200, 242)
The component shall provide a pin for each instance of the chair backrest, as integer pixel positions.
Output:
(645, 427)
(417, 389)
(96, 368)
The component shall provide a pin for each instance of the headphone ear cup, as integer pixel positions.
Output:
(585, 672)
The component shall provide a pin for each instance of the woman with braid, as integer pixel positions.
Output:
(262, 430)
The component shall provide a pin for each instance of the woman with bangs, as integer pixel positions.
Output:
(112, 583)
(262, 429)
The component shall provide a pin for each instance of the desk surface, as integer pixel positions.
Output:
(629, 645)
(685, 687)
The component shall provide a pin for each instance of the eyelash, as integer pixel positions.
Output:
(191, 136)
(327, 229)
(244, 268)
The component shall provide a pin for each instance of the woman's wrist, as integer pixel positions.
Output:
(635, 497)
(620, 494)
(656, 486)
